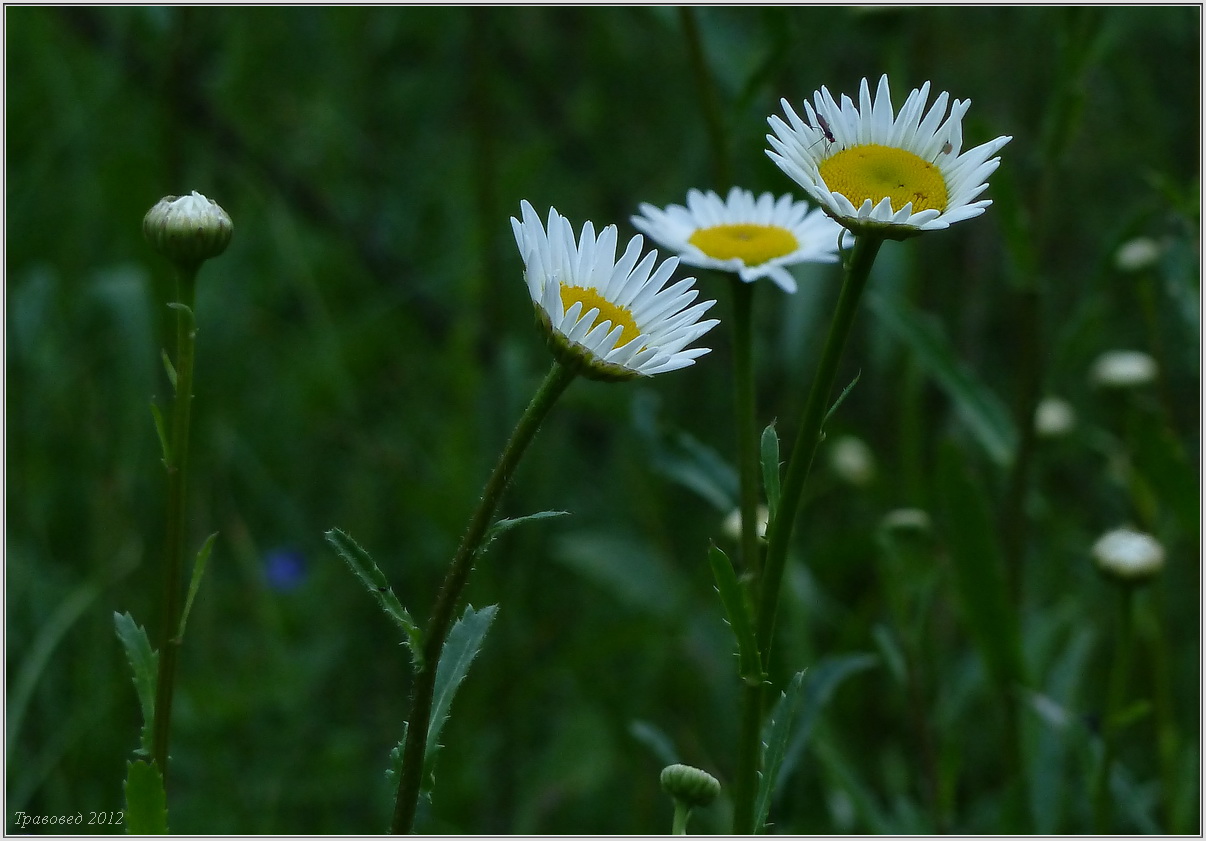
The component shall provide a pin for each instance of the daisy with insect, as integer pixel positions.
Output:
(898, 173)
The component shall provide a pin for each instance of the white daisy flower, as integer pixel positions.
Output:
(1129, 555)
(612, 320)
(752, 237)
(872, 170)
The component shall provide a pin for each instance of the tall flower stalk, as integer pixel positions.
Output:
(187, 230)
(604, 318)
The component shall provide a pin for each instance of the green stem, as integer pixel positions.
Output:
(747, 435)
(177, 473)
(866, 247)
(1102, 804)
(682, 812)
(411, 777)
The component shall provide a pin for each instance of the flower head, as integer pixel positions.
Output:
(188, 230)
(691, 786)
(871, 169)
(1123, 369)
(1128, 555)
(752, 237)
(611, 319)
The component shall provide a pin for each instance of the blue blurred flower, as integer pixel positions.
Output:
(284, 569)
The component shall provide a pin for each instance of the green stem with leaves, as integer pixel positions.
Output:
(858, 270)
(176, 462)
(410, 778)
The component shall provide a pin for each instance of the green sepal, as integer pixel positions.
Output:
(146, 800)
(144, 663)
(770, 471)
(464, 642)
(161, 431)
(505, 525)
(378, 587)
(737, 611)
(195, 582)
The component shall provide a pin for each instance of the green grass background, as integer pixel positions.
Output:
(367, 342)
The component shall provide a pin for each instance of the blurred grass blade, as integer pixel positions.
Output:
(683, 458)
(978, 569)
(505, 525)
(770, 470)
(654, 738)
(820, 683)
(774, 740)
(146, 801)
(464, 641)
(195, 583)
(738, 612)
(985, 414)
(378, 586)
(144, 663)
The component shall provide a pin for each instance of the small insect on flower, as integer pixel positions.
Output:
(823, 127)
(946, 149)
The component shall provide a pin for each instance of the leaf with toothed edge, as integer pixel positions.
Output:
(146, 801)
(144, 663)
(505, 525)
(774, 746)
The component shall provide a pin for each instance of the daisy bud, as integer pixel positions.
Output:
(188, 230)
(1138, 254)
(852, 461)
(732, 523)
(1128, 555)
(1123, 369)
(690, 786)
(1053, 417)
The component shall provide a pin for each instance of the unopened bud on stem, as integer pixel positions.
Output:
(188, 230)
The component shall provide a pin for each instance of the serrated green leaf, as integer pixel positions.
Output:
(161, 431)
(168, 367)
(738, 613)
(378, 587)
(394, 768)
(195, 582)
(820, 684)
(464, 641)
(770, 471)
(774, 742)
(978, 570)
(841, 398)
(144, 663)
(146, 801)
(505, 525)
(985, 415)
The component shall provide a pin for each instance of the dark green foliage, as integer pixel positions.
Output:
(366, 343)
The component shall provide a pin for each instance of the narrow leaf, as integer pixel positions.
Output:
(169, 367)
(978, 570)
(161, 430)
(146, 801)
(394, 768)
(652, 737)
(505, 525)
(820, 684)
(195, 583)
(144, 663)
(378, 587)
(464, 641)
(841, 398)
(774, 742)
(738, 614)
(985, 414)
(770, 470)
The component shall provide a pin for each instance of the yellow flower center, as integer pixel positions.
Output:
(872, 172)
(591, 299)
(752, 244)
